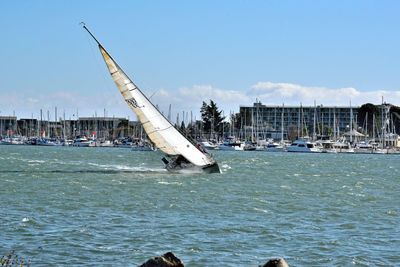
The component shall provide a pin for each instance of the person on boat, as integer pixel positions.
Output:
(199, 147)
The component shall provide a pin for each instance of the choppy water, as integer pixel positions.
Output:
(107, 206)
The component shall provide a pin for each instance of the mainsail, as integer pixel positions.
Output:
(160, 131)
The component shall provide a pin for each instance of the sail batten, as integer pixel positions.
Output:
(160, 130)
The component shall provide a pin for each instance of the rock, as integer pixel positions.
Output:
(280, 262)
(167, 260)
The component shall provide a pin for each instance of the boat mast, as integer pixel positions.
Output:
(48, 124)
(315, 114)
(373, 126)
(334, 124)
(283, 107)
(298, 122)
(64, 126)
(84, 26)
(351, 124)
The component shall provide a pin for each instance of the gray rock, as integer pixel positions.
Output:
(280, 262)
(167, 260)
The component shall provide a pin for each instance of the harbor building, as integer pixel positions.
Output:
(102, 127)
(272, 119)
(8, 125)
(108, 128)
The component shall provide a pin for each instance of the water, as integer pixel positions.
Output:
(107, 206)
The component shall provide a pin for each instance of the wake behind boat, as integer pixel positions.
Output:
(182, 152)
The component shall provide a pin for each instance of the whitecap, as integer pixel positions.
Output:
(262, 200)
(168, 183)
(285, 187)
(226, 166)
(257, 209)
(36, 161)
(107, 248)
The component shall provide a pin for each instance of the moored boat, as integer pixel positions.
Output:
(303, 146)
(274, 147)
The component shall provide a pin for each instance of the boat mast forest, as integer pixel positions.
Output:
(184, 153)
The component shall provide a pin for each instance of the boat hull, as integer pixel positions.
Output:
(187, 167)
(212, 169)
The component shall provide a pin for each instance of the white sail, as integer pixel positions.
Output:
(158, 128)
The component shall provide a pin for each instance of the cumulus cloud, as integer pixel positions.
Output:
(189, 99)
(293, 94)
(28, 104)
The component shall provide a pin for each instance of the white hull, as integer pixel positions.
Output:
(81, 144)
(208, 145)
(303, 147)
(302, 150)
(231, 148)
(106, 144)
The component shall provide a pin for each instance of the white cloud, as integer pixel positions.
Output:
(189, 99)
(293, 94)
(28, 104)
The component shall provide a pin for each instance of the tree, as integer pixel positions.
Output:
(292, 131)
(211, 116)
(323, 129)
(374, 116)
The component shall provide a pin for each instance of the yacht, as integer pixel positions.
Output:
(6, 141)
(327, 147)
(68, 142)
(49, 142)
(82, 142)
(274, 147)
(208, 145)
(303, 146)
(363, 148)
(248, 146)
(342, 147)
(232, 145)
(105, 143)
(124, 142)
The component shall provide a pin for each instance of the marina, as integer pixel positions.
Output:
(299, 146)
(260, 128)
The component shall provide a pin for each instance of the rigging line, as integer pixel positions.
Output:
(99, 69)
(99, 65)
(153, 94)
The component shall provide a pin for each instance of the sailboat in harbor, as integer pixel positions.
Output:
(183, 154)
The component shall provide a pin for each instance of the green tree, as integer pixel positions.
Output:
(374, 116)
(292, 132)
(212, 117)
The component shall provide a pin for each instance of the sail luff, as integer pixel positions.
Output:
(164, 135)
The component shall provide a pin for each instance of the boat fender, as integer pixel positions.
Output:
(165, 161)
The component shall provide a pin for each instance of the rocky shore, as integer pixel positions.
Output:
(169, 259)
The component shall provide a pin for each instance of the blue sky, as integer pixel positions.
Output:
(186, 52)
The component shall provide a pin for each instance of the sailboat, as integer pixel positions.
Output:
(183, 154)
